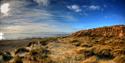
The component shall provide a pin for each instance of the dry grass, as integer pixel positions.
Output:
(83, 48)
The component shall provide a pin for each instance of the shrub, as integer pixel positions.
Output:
(1, 53)
(79, 57)
(43, 41)
(86, 45)
(76, 42)
(103, 52)
(118, 52)
(86, 51)
(40, 53)
(21, 50)
(7, 57)
(119, 59)
(17, 60)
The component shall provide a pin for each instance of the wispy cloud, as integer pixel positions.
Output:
(22, 19)
(94, 7)
(75, 8)
(42, 2)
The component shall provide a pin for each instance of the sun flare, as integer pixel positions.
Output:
(1, 35)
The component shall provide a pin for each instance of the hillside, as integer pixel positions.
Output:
(98, 45)
(117, 30)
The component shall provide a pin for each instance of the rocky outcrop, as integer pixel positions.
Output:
(117, 30)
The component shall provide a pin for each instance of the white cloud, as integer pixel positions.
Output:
(75, 8)
(26, 22)
(22, 19)
(4, 8)
(94, 7)
(43, 2)
(31, 20)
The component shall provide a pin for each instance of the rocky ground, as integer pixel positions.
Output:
(100, 45)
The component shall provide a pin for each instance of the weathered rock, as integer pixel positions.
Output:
(118, 31)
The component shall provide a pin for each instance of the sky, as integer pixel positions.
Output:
(24, 18)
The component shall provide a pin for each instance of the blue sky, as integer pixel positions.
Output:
(38, 16)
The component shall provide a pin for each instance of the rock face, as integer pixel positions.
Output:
(117, 30)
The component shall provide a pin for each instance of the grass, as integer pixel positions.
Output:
(119, 59)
